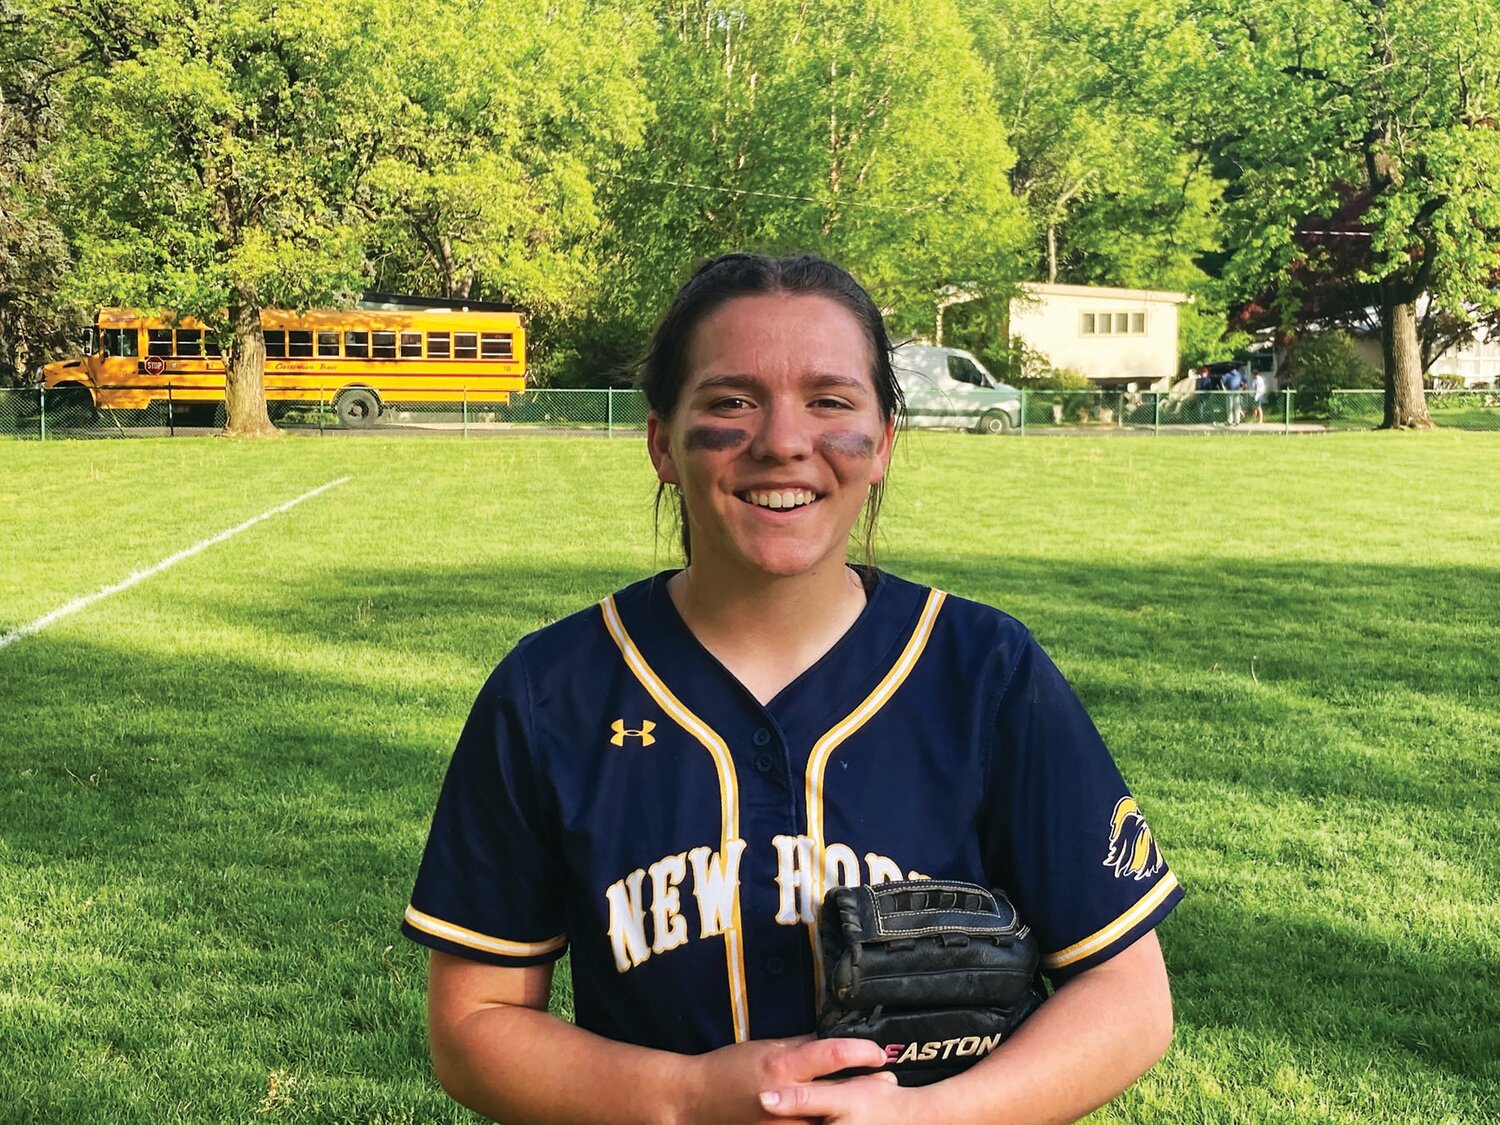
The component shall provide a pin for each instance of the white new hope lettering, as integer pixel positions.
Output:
(715, 878)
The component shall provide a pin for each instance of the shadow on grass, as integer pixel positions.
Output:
(216, 846)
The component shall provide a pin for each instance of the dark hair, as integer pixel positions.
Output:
(722, 279)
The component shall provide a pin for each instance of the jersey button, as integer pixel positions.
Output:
(761, 737)
(775, 966)
(764, 762)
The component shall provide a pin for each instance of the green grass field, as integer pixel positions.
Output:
(216, 783)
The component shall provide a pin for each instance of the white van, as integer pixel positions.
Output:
(949, 387)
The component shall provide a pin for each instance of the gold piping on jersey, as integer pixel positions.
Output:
(823, 750)
(729, 799)
(1099, 939)
(474, 940)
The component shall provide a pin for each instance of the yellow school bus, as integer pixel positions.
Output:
(389, 350)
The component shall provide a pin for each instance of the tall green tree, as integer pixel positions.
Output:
(1314, 106)
(1113, 196)
(33, 251)
(865, 131)
(486, 181)
(212, 150)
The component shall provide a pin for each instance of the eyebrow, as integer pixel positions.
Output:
(818, 379)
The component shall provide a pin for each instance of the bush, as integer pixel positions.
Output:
(1326, 362)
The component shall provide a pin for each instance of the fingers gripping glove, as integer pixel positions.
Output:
(938, 973)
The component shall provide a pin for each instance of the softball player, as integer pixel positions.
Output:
(665, 784)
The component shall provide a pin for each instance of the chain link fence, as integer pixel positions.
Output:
(1474, 409)
(38, 414)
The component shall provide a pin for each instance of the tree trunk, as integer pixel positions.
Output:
(245, 412)
(1405, 404)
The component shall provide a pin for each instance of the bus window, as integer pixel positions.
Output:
(190, 342)
(275, 343)
(357, 345)
(439, 346)
(210, 344)
(299, 343)
(411, 345)
(382, 345)
(159, 341)
(494, 345)
(465, 345)
(121, 342)
(328, 343)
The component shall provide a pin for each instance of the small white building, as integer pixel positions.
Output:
(1113, 336)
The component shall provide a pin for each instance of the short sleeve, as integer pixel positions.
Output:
(489, 887)
(1061, 833)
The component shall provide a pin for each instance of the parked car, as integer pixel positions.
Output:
(950, 387)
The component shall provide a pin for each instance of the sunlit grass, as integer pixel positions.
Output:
(216, 784)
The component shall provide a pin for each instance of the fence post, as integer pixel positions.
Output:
(1156, 421)
(466, 411)
(1287, 422)
(609, 411)
(171, 426)
(322, 407)
(42, 391)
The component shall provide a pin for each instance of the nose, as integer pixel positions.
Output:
(783, 433)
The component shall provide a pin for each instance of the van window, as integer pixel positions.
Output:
(965, 370)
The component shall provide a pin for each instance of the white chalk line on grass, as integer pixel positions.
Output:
(171, 560)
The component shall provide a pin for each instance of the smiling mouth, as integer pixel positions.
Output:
(779, 499)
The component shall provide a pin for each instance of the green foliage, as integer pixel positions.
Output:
(1371, 119)
(507, 118)
(1325, 362)
(33, 252)
(863, 131)
(210, 153)
(1126, 203)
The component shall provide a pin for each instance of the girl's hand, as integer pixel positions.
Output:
(732, 1084)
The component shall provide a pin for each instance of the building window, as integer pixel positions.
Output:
(411, 345)
(1112, 324)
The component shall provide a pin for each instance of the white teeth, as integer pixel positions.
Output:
(780, 499)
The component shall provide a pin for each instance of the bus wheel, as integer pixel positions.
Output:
(70, 405)
(994, 422)
(357, 409)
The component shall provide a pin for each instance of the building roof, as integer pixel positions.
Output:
(1161, 296)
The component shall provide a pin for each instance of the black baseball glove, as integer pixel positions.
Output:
(938, 973)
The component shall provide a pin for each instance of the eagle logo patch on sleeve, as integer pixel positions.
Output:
(1132, 849)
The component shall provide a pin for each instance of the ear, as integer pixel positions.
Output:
(883, 450)
(659, 445)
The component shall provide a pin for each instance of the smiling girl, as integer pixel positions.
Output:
(666, 784)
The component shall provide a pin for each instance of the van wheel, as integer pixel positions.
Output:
(357, 409)
(994, 422)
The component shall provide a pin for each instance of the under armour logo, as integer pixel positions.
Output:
(622, 732)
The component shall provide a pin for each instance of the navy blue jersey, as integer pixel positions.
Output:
(617, 791)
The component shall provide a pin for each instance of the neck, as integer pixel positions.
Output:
(768, 631)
